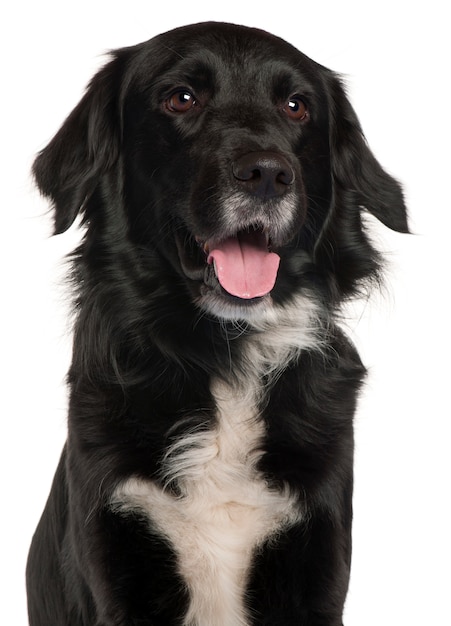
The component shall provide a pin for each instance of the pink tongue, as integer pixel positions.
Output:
(243, 265)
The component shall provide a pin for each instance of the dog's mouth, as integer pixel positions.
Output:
(242, 264)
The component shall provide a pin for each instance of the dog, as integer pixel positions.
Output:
(221, 179)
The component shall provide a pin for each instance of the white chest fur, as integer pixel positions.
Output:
(224, 512)
(226, 509)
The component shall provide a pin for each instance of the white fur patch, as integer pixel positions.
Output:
(225, 508)
(224, 511)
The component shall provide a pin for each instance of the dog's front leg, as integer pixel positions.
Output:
(302, 577)
(128, 569)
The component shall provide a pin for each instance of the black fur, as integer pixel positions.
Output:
(148, 182)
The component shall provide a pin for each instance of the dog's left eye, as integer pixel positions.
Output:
(296, 108)
(180, 102)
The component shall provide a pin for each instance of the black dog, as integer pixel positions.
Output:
(207, 478)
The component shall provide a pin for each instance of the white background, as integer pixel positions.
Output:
(395, 56)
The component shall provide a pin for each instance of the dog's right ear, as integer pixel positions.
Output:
(86, 146)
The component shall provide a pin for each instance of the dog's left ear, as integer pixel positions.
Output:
(356, 171)
(87, 145)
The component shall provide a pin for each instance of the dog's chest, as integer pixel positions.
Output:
(224, 511)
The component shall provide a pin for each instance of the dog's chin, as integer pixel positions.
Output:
(218, 303)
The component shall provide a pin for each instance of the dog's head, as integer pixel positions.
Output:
(233, 157)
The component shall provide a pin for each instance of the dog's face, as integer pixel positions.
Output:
(235, 157)
(224, 149)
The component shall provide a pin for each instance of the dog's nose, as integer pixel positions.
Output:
(264, 174)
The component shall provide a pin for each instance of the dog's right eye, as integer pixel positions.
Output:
(180, 102)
